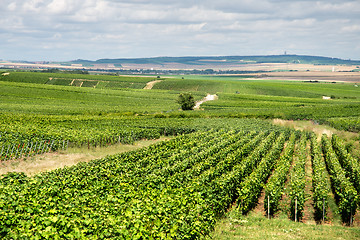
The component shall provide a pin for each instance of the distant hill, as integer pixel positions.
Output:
(223, 60)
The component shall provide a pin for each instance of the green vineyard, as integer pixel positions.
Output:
(130, 164)
(176, 189)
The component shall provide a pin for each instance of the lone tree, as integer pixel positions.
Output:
(186, 101)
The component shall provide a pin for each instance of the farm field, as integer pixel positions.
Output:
(223, 170)
(163, 191)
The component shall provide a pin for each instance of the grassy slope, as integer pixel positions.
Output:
(269, 98)
(215, 84)
(28, 97)
(236, 96)
(256, 226)
(85, 80)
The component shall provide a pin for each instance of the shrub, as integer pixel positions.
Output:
(186, 101)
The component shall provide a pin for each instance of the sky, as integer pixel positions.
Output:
(63, 30)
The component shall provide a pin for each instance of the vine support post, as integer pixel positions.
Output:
(8, 149)
(17, 150)
(351, 218)
(12, 150)
(295, 209)
(43, 148)
(2, 151)
(39, 148)
(27, 149)
(28, 154)
(268, 206)
(35, 148)
(22, 149)
(323, 218)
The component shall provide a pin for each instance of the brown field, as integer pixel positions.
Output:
(312, 76)
(283, 71)
(240, 66)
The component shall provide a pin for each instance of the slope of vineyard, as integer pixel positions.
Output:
(227, 156)
(23, 135)
(82, 201)
(174, 189)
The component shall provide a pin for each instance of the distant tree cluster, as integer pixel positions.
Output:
(180, 72)
(56, 70)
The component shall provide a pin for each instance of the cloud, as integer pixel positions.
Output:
(71, 29)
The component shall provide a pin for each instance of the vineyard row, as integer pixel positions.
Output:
(176, 189)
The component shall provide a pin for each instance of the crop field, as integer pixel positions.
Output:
(178, 188)
(226, 159)
(85, 80)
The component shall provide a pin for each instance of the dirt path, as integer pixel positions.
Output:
(308, 205)
(259, 208)
(209, 97)
(285, 199)
(318, 129)
(307, 126)
(151, 84)
(50, 161)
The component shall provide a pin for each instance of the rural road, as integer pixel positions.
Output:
(209, 97)
(150, 85)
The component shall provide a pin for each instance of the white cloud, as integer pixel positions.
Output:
(142, 28)
(351, 28)
(11, 6)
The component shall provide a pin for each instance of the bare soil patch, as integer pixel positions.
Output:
(259, 209)
(321, 76)
(308, 205)
(151, 84)
(209, 97)
(69, 157)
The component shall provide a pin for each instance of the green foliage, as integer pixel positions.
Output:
(186, 101)
(297, 181)
(351, 124)
(348, 162)
(319, 180)
(250, 188)
(345, 194)
(121, 94)
(64, 100)
(175, 189)
(57, 77)
(158, 194)
(25, 135)
(274, 188)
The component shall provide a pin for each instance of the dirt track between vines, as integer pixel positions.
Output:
(209, 97)
(50, 161)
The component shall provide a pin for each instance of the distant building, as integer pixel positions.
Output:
(326, 98)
